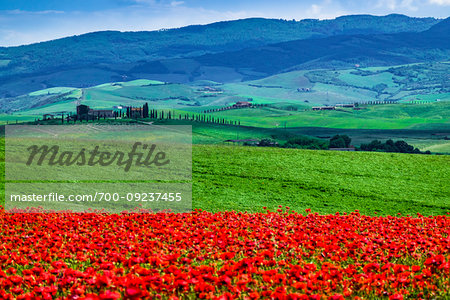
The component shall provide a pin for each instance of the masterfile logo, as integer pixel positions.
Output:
(148, 157)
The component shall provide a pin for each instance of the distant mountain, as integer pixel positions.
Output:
(441, 29)
(99, 57)
(339, 51)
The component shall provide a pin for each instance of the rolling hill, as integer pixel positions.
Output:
(339, 51)
(426, 82)
(167, 55)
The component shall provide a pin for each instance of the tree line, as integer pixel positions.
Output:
(340, 141)
(143, 112)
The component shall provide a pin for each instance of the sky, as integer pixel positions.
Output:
(30, 21)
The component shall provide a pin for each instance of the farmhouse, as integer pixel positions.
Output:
(85, 112)
(241, 104)
(323, 108)
(211, 90)
(345, 105)
(104, 113)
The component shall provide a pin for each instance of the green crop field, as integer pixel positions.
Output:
(236, 178)
(398, 116)
(417, 82)
(248, 178)
(11, 119)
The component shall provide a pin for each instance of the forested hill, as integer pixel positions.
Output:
(107, 56)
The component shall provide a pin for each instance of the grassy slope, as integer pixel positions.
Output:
(247, 178)
(425, 82)
(227, 178)
(399, 116)
(4, 118)
(431, 139)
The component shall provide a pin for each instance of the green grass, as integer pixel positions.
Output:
(11, 119)
(398, 116)
(205, 133)
(432, 139)
(239, 178)
(440, 146)
(248, 178)
(4, 62)
(417, 82)
(55, 90)
(432, 97)
(367, 81)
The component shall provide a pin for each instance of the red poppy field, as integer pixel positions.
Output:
(227, 255)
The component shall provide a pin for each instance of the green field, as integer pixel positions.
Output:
(288, 97)
(388, 116)
(12, 119)
(417, 82)
(435, 140)
(236, 178)
(248, 178)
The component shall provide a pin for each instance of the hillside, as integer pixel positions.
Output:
(248, 178)
(426, 82)
(339, 51)
(101, 57)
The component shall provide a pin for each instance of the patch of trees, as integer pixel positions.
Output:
(379, 88)
(306, 143)
(391, 146)
(301, 142)
(290, 108)
(340, 141)
(325, 77)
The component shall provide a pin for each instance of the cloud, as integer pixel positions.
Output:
(176, 3)
(29, 12)
(440, 2)
(315, 9)
(398, 5)
(152, 2)
(327, 9)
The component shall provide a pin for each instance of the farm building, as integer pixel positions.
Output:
(85, 112)
(211, 90)
(104, 113)
(242, 104)
(345, 105)
(323, 108)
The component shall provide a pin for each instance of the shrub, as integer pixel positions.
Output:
(306, 143)
(340, 141)
(391, 146)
